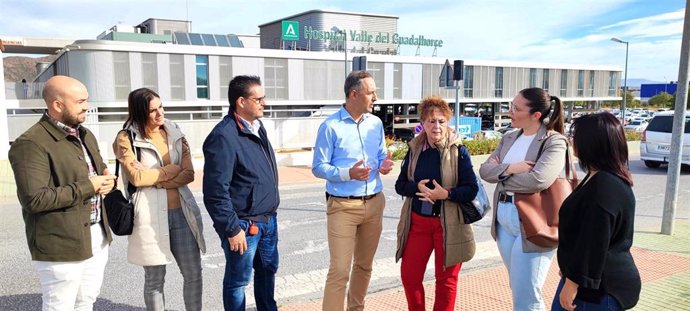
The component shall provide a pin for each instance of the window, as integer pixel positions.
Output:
(149, 70)
(177, 77)
(498, 82)
(276, 76)
(378, 71)
(121, 76)
(545, 80)
(202, 76)
(532, 77)
(613, 78)
(469, 81)
(397, 81)
(564, 82)
(590, 89)
(580, 83)
(225, 75)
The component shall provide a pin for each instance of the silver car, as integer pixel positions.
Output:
(655, 147)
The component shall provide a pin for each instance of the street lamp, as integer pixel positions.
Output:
(625, 80)
(342, 31)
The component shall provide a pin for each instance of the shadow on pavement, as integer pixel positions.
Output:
(33, 302)
(638, 167)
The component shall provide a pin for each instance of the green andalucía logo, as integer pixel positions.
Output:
(290, 29)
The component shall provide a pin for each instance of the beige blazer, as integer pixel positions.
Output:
(544, 173)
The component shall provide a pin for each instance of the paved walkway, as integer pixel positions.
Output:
(663, 261)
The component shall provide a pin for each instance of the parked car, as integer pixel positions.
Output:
(404, 134)
(655, 147)
(489, 134)
(637, 125)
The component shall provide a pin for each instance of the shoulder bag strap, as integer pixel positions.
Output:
(570, 172)
(130, 188)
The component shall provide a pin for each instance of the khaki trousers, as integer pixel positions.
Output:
(354, 229)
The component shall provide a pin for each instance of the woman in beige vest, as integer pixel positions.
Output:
(435, 176)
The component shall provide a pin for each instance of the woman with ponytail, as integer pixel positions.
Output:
(527, 160)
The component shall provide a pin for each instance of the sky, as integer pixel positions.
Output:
(544, 31)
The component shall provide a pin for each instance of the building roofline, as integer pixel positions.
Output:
(328, 11)
(325, 55)
(164, 19)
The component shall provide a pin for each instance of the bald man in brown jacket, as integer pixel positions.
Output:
(61, 178)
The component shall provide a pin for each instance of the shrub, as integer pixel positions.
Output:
(400, 152)
(481, 146)
(632, 136)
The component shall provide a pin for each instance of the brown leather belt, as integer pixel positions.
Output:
(352, 197)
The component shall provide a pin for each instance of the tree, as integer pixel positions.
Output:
(662, 100)
(630, 101)
(673, 103)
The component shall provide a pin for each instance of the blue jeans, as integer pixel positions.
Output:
(526, 271)
(607, 303)
(262, 256)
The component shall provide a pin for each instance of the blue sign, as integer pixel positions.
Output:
(418, 129)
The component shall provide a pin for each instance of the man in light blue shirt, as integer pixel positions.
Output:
(350, 153)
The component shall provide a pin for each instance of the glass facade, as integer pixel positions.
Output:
(468, 83)
(225, 75)
(379, 73)
(580, 83)
(533, 77)
(121, 75)
(545, 80)
(430, 83)
(202, 76)
(613, 78)
(397, 81)
(177, 77)
(276, 78)
(590, 88)
(564, 82)
(498, 82)
(323, 80)
(149, 71)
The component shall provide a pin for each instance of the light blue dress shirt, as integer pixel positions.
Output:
(340, 143)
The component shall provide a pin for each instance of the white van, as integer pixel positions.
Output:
(655, 147)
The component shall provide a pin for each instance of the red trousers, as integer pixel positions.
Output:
(426, 235)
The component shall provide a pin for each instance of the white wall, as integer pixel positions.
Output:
(4, 126)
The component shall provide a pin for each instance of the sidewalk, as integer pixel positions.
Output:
(663, 261)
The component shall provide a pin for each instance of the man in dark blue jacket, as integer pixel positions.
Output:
(241, 195)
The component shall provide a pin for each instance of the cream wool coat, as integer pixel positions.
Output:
(149, 243)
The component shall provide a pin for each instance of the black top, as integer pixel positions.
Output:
(429, 167)
(595, 235)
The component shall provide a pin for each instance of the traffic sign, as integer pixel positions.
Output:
(418, 129)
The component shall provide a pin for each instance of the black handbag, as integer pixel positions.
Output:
(473, 211)
(118, 208)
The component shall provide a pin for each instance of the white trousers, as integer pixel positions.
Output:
(74, 285)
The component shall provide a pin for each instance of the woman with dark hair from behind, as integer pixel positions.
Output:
(597, 223)
(167, 219)
(527, 160)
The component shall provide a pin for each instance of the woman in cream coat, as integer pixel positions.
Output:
(515, 166)
(167, 220)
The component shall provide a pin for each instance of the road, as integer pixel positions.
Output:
(303, 249)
